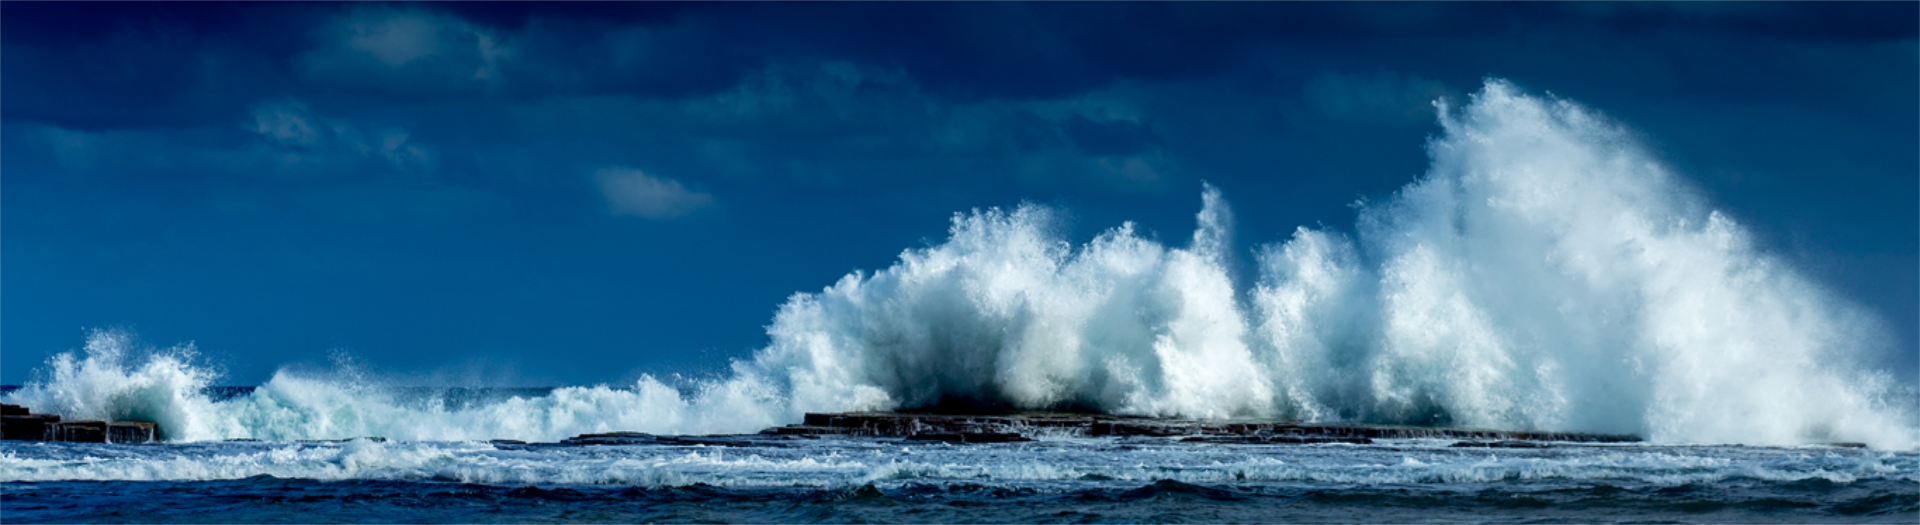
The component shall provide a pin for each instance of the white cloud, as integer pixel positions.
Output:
(395, 40)
(286, 124)
(406, 48)
(631, 192)
(298, 137)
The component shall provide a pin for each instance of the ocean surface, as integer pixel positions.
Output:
(1080, 480)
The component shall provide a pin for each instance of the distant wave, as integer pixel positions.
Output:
(1546, 273)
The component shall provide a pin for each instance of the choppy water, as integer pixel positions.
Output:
(840, 480)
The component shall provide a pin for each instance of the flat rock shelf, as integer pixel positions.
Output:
(1025, 426)
(21, 424)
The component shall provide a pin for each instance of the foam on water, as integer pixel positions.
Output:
(1546, 273)
(836, 464)
(167, 389)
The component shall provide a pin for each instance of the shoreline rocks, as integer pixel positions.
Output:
(995, 428)
(19, 423)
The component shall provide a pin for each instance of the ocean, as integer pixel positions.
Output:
(1115, 480)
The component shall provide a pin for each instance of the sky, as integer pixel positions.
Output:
(554, 194)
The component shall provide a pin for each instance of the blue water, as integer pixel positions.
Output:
(1080, 480)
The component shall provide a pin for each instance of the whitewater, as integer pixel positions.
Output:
(1547, 272)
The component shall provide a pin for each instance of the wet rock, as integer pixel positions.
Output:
(1276, 439)
(970, 437)
(88, 431)
(26, 427)
(747, 440)
(612, 438)
(1140, 428)
(891, 424)
(375, 439)
(131, 432)
(1509, 443)
(20, 423)
(725, 440)
(814, 431)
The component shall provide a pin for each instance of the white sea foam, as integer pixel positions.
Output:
(1546, 273)
(117, 381)
(830, 464)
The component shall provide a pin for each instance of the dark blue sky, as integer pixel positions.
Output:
(579, 193)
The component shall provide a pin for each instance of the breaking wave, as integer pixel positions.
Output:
(1546, 273)
(167, 388)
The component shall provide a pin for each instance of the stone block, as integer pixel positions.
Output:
(130, 432)
(26, 427)
(970, 437)
(78, 431)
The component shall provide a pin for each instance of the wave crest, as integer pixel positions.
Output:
(1546, 273)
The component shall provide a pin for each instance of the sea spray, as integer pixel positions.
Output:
(1545, 273)
(1548, 273)
(1315, 306)
(116, 379)
(1005, 315)
(113, 381)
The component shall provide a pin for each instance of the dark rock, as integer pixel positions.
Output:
(745, 440)
(1846, 444)
(1509, 443)
(883, 424)
(1140, 428)
(763, 439)
(26, 427)
(970, 437)
(612, 438)
(809, 430)
(375, 439)
(19, 423)
(1276, 439)
(78, 431)
(131, 432)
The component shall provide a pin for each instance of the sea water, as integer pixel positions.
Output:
(1546, 273)
(892, 480)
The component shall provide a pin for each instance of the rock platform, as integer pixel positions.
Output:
(20, 424)
(1024, 426)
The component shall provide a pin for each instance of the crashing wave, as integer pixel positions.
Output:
(1546, 273)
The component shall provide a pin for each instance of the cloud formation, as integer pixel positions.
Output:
(632, 192)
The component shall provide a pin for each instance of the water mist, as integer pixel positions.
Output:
(1546, 273)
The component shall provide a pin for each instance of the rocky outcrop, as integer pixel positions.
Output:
(996, 428)
(970, 437)
(26, 427)
(642, 438)
(19, 423)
